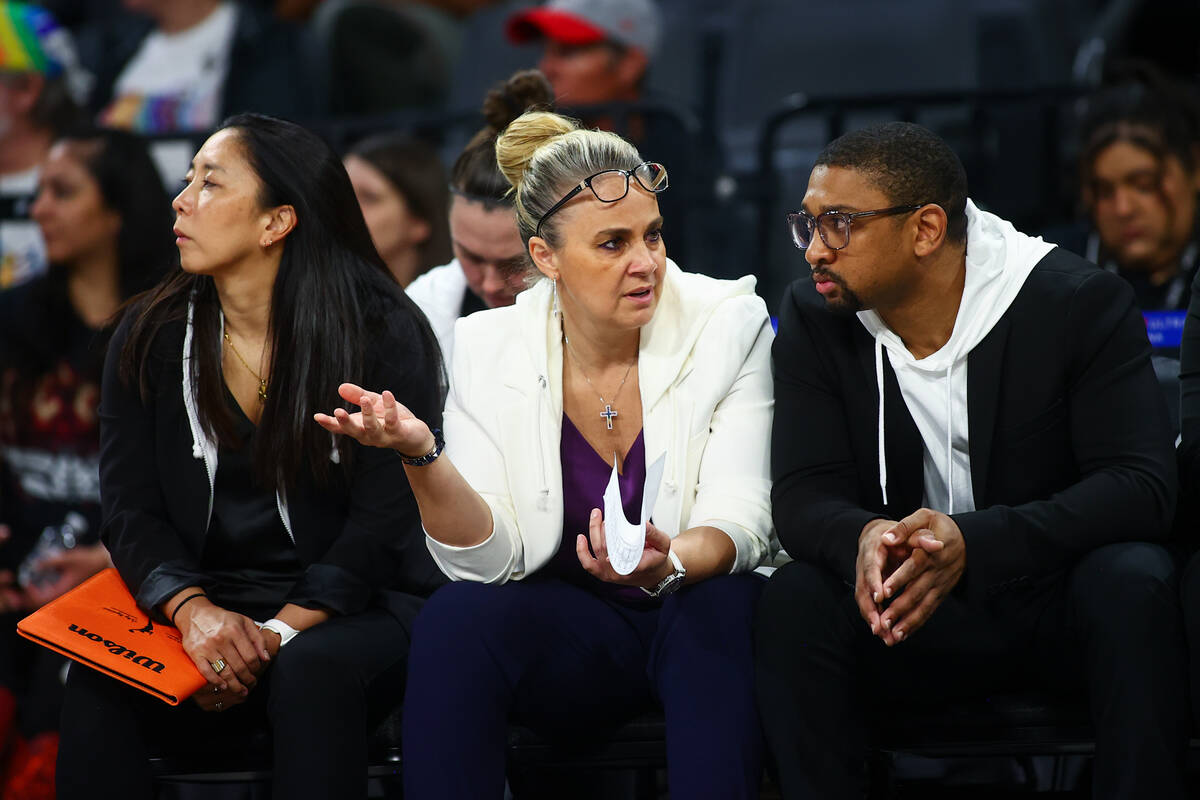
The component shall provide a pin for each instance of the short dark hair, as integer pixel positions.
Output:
(910, 164)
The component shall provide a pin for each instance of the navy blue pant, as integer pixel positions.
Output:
(564, 662)
(1109, 630)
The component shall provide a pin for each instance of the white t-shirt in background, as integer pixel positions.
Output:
(173, 82)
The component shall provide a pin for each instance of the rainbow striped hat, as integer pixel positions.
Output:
(31, 40)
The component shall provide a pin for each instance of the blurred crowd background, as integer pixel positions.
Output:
(1075, 119)
(735, 96)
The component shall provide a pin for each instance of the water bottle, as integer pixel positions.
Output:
(54, 540)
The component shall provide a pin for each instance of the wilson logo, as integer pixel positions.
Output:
(118, 650)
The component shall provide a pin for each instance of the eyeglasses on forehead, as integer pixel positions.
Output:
(611, 185)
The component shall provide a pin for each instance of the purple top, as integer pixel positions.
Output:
(585, 475)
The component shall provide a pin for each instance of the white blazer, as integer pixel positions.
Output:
(704, 368)
(439, 294)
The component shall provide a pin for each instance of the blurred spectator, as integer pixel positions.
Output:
(107, 222)
(298, 10)
(378, 56)
(459, 8)
(303, 9)
(401, 186)
(182, 65)
(1140, 167)
(71, 14)
(40, 81)
(596, 51)
(490, 263)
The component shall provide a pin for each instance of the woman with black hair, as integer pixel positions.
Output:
(291, 561)
(104, 215)
(489, 267)
(1140, 168)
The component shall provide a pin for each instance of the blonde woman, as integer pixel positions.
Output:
(617, 355)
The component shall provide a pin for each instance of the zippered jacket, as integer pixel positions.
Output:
(704, 373)
(359, 538)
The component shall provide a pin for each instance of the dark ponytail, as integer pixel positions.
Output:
(475, 174)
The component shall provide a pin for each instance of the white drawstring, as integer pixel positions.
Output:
(882, 453)
(950, 438)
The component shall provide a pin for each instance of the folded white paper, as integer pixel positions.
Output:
(627, 541)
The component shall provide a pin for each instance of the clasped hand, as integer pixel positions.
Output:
(212, 634)
(650, 569)
(382, 422)
(905, 570)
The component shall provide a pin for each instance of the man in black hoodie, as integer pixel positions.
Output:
(971, 458)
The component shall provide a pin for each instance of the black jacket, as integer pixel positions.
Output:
(1188, 523)
(356, 538)
(1070, 444)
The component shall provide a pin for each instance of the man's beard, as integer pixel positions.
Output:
(847, 301)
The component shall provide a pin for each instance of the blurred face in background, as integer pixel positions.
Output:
(1144, 207)
(19, 93)
(70, 210)
(489, 250)
(592, 73)
(395, 230)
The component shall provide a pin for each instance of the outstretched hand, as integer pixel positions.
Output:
(382, 422)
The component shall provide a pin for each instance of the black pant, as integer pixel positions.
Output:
(34, 675)
(1110, 627)
(317, 698)
(1190, 593)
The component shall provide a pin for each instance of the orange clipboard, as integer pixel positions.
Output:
(99, 624)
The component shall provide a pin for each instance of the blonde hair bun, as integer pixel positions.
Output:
(523, 137)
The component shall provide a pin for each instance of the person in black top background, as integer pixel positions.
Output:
(105, 218)
(225, 505)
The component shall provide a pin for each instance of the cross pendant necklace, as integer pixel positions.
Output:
(609, 413)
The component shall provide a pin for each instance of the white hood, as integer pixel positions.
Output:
(999, 259)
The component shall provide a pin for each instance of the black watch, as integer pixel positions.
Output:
(439, 444)
(672, 582)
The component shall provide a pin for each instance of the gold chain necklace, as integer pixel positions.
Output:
(609, 413)
(262, 384)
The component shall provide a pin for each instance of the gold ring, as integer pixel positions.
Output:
(217, 665)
